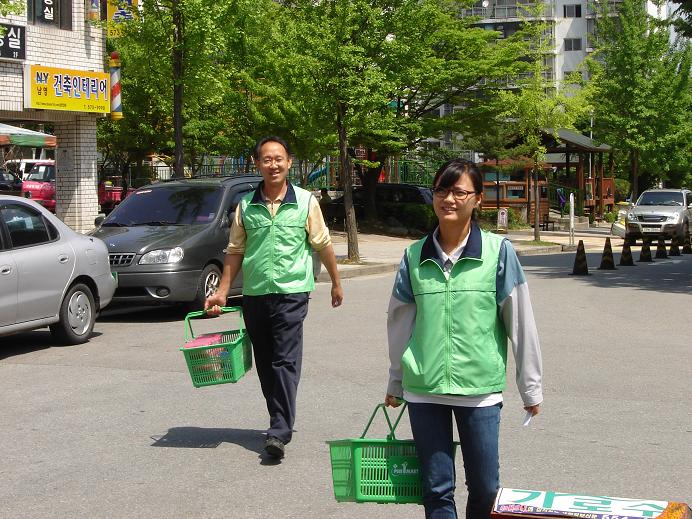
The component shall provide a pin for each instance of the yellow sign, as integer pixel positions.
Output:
(50, 88)
(120, 11)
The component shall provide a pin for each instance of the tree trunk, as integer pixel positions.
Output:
(178, 70)
(350, 219)
(634, 166)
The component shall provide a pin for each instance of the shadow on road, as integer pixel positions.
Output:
(27, 342)
(128, 313)
(210, 438)
(671, 275)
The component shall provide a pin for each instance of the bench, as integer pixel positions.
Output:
(547, 223)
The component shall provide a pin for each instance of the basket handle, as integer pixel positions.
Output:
(189, 334)
(391, 435)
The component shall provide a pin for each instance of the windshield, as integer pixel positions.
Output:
(170, 205)
(660, 198)
(41, 173)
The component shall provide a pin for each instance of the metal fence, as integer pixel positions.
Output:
(310, 175)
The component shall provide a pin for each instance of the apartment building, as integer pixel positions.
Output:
(52, 72)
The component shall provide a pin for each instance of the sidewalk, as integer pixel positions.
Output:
(381, 254)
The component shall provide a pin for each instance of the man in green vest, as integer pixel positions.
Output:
(274, 230)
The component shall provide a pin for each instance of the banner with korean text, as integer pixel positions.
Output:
(51, 88)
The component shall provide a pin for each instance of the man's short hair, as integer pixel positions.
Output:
(270, 138)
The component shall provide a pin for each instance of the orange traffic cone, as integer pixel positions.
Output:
(645, 254)
(581, 268)
(661, 249)
(626, 259)
(607, 261)
(674, 249)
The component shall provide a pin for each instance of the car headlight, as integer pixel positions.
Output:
(631, 217)
(162, 256)
(674, 218)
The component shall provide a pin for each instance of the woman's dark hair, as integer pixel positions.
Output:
(451, 171)
(265, 140)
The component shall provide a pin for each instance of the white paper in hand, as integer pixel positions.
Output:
(527, 418)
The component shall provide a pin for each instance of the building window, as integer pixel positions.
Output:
(572, 44)
(57, 13)
(573, 11)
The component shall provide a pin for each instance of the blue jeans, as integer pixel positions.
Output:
(479, 429)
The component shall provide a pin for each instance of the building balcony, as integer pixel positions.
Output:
(504, 12)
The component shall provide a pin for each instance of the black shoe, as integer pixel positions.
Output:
(274, 447)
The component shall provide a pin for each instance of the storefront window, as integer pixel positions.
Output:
(57, 13)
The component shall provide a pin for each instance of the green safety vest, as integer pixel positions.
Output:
(459, 344)
(277, 256)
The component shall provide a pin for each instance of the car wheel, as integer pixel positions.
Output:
(208, 283)
(77, 316)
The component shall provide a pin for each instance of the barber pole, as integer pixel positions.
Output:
(116, 102)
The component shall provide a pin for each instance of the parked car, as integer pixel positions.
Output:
(21, 167)
(384, 193)
(660, 213)
(49, 274)
(39, 184)
(111, 191)
(166, 240)
(10, 184)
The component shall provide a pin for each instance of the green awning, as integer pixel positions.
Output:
(13, 135)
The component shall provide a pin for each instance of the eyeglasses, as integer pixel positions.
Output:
(459, 194)
(267, 161)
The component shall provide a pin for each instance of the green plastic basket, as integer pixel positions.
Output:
(372, 470)
(226, 359)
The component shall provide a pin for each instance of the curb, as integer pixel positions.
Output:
(536, 251)
(352, 271)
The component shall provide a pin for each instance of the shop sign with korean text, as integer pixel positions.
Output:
(119, 12)
(517, 502)
(51, 88)
(12, 41)
(47, 12)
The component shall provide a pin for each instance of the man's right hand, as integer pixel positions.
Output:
(213, 303)
(392, 401)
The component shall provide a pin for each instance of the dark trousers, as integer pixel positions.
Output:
(479, 429)
(275, 325)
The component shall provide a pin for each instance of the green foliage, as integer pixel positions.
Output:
(622, 189)
(488, 219)
(8, 7)
(641, 94)
(226, 102)
(610, 217)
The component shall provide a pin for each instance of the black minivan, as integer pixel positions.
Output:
(166, 240)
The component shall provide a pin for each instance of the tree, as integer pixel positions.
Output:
(640, 88)
(683, 17)
(8, 7)
(537, 108)
(219, 55)
(379, 71)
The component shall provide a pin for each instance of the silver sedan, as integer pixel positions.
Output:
(49, 274)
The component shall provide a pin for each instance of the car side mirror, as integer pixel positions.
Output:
(99, 220)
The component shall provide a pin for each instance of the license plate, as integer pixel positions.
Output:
(115, 276)
(651, 229)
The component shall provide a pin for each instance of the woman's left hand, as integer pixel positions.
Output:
(533, 409)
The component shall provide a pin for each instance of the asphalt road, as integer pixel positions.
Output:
(114, 428)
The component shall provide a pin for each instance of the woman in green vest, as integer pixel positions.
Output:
(459, 297)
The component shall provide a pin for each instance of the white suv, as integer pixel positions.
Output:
(660, 213)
